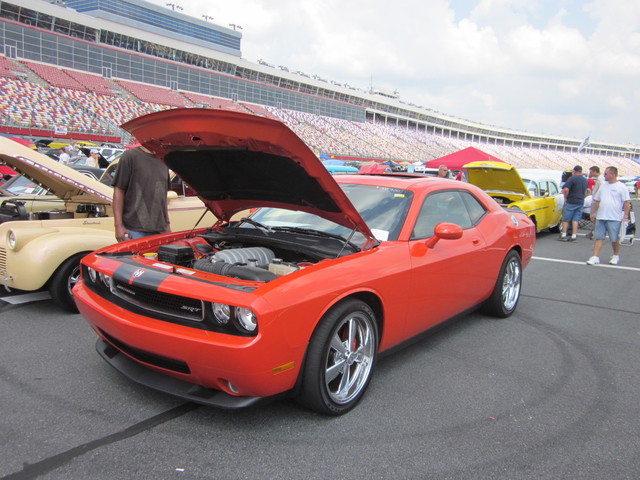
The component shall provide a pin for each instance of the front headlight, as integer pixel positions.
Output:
(246, 319)
(11, 239)
(221, 313)
(234, 320)
(106, 280)
(92, 274)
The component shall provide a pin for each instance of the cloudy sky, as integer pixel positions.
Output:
(560, 67)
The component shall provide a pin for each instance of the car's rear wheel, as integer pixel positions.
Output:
(63, 280)
(506, 293)
(340, 359)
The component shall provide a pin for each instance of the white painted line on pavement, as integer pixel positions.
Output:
(606, 265)
(26, 298)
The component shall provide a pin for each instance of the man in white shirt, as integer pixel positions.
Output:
(611, 204)
(92, 160)
(64, 155)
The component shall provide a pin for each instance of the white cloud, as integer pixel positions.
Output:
(562, 67)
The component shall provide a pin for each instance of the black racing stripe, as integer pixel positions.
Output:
(139, 276)
(125, 271)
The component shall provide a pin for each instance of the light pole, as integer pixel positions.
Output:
(235, 27)
(174, 6)
(207, 18)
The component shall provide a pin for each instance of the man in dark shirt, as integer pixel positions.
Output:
(574, 191)
(140, 195)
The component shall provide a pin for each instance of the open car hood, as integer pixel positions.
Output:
(62, 181)
(496, 177)
(237, 161)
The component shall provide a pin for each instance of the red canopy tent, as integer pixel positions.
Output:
(456, 160)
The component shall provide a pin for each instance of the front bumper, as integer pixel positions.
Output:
(187, 362)
(172, 386)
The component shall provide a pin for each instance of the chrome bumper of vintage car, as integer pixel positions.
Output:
(172, 386)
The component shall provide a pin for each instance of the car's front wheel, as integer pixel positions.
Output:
(506, 293)
(341, 358)
(63, 280)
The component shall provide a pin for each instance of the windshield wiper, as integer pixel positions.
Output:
(257, 224)
(319, 233)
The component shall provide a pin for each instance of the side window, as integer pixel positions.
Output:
(553, 189)
(474, 207)
(544, 188)
(445, 206)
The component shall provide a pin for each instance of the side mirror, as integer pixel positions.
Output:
(444, 231)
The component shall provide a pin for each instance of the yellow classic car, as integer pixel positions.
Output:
(44, 247)
(534, 191)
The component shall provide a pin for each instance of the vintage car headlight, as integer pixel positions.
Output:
(246, 319)
(11, 239)
(221, 313)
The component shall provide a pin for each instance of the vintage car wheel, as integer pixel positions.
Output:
(506, 293)
(63, 280)
(340, 359)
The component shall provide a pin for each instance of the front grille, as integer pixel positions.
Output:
(148, 357)
(184, 308)
(3, 260)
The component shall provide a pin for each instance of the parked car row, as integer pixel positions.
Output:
(55, 215)
(534, 191)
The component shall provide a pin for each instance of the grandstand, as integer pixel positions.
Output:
(84, 71)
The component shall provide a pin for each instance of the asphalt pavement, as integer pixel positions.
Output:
(552, 392)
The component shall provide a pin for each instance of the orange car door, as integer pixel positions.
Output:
(448, 278)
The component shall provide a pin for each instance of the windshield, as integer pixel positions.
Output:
(532, 186)
(383, 209)
(20, 185)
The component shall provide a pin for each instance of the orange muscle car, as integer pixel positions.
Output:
(299, 297)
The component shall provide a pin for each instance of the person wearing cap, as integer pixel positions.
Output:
(94, 156)
(574, 190)
(64, 155)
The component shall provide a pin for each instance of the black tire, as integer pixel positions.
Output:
(506, 293)
(340, 359)
(63, 280)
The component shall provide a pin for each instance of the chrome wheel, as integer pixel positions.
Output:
(73, 279)
(349, 358)
(511, 284)
(506, 292)
(340, 359)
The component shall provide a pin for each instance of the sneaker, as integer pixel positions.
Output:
(593, 261)
(572, 238)
(562, 239)
(615, 259)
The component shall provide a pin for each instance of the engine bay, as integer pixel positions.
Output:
(246, 254)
